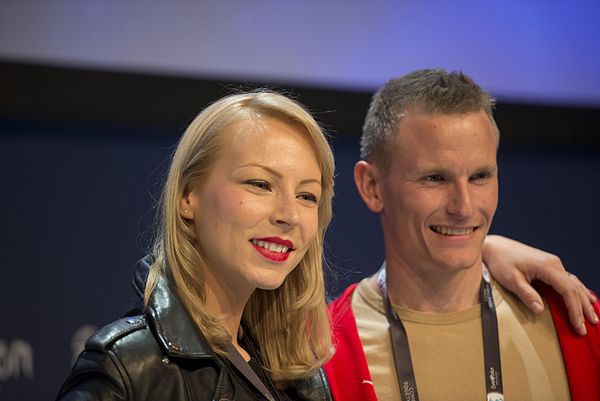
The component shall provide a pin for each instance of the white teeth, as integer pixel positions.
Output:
(452, 231)
(271, 246)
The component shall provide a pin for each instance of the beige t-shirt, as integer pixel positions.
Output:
(447, 350)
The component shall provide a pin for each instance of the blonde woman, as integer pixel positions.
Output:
(234, 303)
(244, 211)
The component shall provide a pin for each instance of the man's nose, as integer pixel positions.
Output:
(460, 203)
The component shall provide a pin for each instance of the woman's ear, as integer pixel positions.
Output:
(367, 178)
(185, 205)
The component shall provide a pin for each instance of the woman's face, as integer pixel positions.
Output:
(256, 214)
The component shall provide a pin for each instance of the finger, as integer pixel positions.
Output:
(586, 298)
(589, 312)
(583, 289)
(576, 311)
(560, 281)
(517, 283)
(529, 296)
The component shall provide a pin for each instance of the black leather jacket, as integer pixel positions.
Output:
(161, 355)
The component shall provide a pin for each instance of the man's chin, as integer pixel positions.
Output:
(459, 263)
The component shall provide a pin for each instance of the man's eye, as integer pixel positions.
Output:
(259, 184)
(480, 176)
(434, 178)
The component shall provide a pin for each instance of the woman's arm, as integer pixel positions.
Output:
(515, 265)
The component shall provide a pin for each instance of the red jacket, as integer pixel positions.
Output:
(349, 377)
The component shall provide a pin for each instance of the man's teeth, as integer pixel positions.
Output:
(271, 246)
(452, 231)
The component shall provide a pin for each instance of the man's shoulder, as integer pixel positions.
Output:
(358, 300)
(560, 314)
(341, 304)
(581, 354)
(347, 383)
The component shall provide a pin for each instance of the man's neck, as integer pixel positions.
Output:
(432, 291)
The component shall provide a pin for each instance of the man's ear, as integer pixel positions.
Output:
(186, 210)
(367, 178)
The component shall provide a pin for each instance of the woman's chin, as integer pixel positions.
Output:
(269, 285)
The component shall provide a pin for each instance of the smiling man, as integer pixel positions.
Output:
(431, 324)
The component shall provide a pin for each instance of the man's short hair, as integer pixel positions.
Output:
(422, 91)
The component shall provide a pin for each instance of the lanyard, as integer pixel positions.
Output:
(491, 347)
(238, 361)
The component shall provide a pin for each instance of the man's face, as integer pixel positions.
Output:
(441, 192)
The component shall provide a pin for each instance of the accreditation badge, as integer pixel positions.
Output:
(495, 397)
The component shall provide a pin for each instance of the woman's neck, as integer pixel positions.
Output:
(227, 305)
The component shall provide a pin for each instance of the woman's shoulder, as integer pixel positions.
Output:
(111, 361)
(128, 333)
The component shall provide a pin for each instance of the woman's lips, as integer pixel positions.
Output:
(273, 248)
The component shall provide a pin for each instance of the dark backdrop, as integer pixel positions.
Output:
(82, 155)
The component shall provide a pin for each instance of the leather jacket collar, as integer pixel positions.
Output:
(175, 329)
(179, 336)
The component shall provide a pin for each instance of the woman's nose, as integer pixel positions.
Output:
(286, 211)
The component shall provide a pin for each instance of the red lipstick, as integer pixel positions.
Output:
(273, 255)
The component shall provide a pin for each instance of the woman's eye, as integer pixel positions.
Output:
(259, 184)
(308, 197)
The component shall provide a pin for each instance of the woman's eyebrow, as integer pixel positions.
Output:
(278, 174)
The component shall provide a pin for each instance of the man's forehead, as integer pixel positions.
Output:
(427, 140)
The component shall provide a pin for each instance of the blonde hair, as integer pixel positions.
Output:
(290, 323)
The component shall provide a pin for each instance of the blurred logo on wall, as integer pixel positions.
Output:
(16, 359)
(78, 340)
(17, 363)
